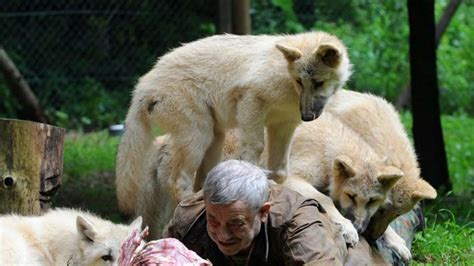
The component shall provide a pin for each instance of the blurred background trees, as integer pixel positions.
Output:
(82, 58)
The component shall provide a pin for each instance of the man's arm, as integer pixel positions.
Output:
(313, 239)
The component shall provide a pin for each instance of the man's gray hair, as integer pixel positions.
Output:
(235, 180)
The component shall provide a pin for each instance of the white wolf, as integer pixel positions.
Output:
(61, 237)
(379, 124)
(154, 206)
(200, 90)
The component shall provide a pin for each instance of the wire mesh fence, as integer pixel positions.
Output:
(82, 58)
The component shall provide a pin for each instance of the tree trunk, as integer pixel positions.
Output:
(448, 13)
(225, 17)
(234, 17)
(241, 17)
(31, 165)
(30, 107)
(427, 131)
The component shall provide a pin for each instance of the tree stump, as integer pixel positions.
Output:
(31, 165)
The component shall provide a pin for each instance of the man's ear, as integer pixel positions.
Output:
(291, 54)
(85, 228)
(265, 211)
(329, 55)
(343, 167)
(389, 177)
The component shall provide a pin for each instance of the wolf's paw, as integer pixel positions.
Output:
(395, 242)
(279, 176)
(349, 232)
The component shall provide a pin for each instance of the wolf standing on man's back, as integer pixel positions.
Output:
(200, 90)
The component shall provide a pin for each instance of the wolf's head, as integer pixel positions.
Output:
(403, 197)
(361, 191)
(100, 241)
(318, 65)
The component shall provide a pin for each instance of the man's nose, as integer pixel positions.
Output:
(224, 234)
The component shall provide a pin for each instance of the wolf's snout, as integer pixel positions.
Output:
(360, 225)
(308, 117)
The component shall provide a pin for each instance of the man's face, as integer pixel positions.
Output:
(233, 226)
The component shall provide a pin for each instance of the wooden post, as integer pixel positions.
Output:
(31, 165)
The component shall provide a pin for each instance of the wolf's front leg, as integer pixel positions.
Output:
(394, 241)
(251, 129)
(278, 145)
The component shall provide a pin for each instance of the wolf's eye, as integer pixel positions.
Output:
(318, 83)
(106, 258)
(352, 197)
(299, 82)
(372, 201)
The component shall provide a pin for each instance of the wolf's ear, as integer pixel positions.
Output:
(291, 54)
(137, 223)
(389, 177)
(423, 190)
(329, 55)
(85, 228)
(343, 167)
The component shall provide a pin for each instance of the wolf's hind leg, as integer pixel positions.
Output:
(211, 158)
(186, 154)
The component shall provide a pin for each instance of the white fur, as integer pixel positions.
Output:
(56, 239)
(200, 90)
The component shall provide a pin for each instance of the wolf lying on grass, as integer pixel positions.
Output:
(61, 237)
(198, 91)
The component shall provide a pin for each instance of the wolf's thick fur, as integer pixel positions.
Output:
(336, 160)
(61, 237)
(154, 206)
(200, 90)
(379, 124)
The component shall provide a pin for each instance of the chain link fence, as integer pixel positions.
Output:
(82, 58)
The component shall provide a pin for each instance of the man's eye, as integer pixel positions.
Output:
(237, 226)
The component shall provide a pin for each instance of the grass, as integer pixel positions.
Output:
(449, 236)
(89, 163)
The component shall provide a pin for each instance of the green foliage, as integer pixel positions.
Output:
(445, 242)
(88, 182)
(456, 60)
(376, 33)
(85, 105)
(82, 58)
(458, 133)
(85, 154)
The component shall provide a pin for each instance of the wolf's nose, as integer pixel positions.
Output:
(308, 117)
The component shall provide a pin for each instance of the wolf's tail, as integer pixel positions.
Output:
(131, 157)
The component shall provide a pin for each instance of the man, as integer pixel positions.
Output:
(238, 219)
